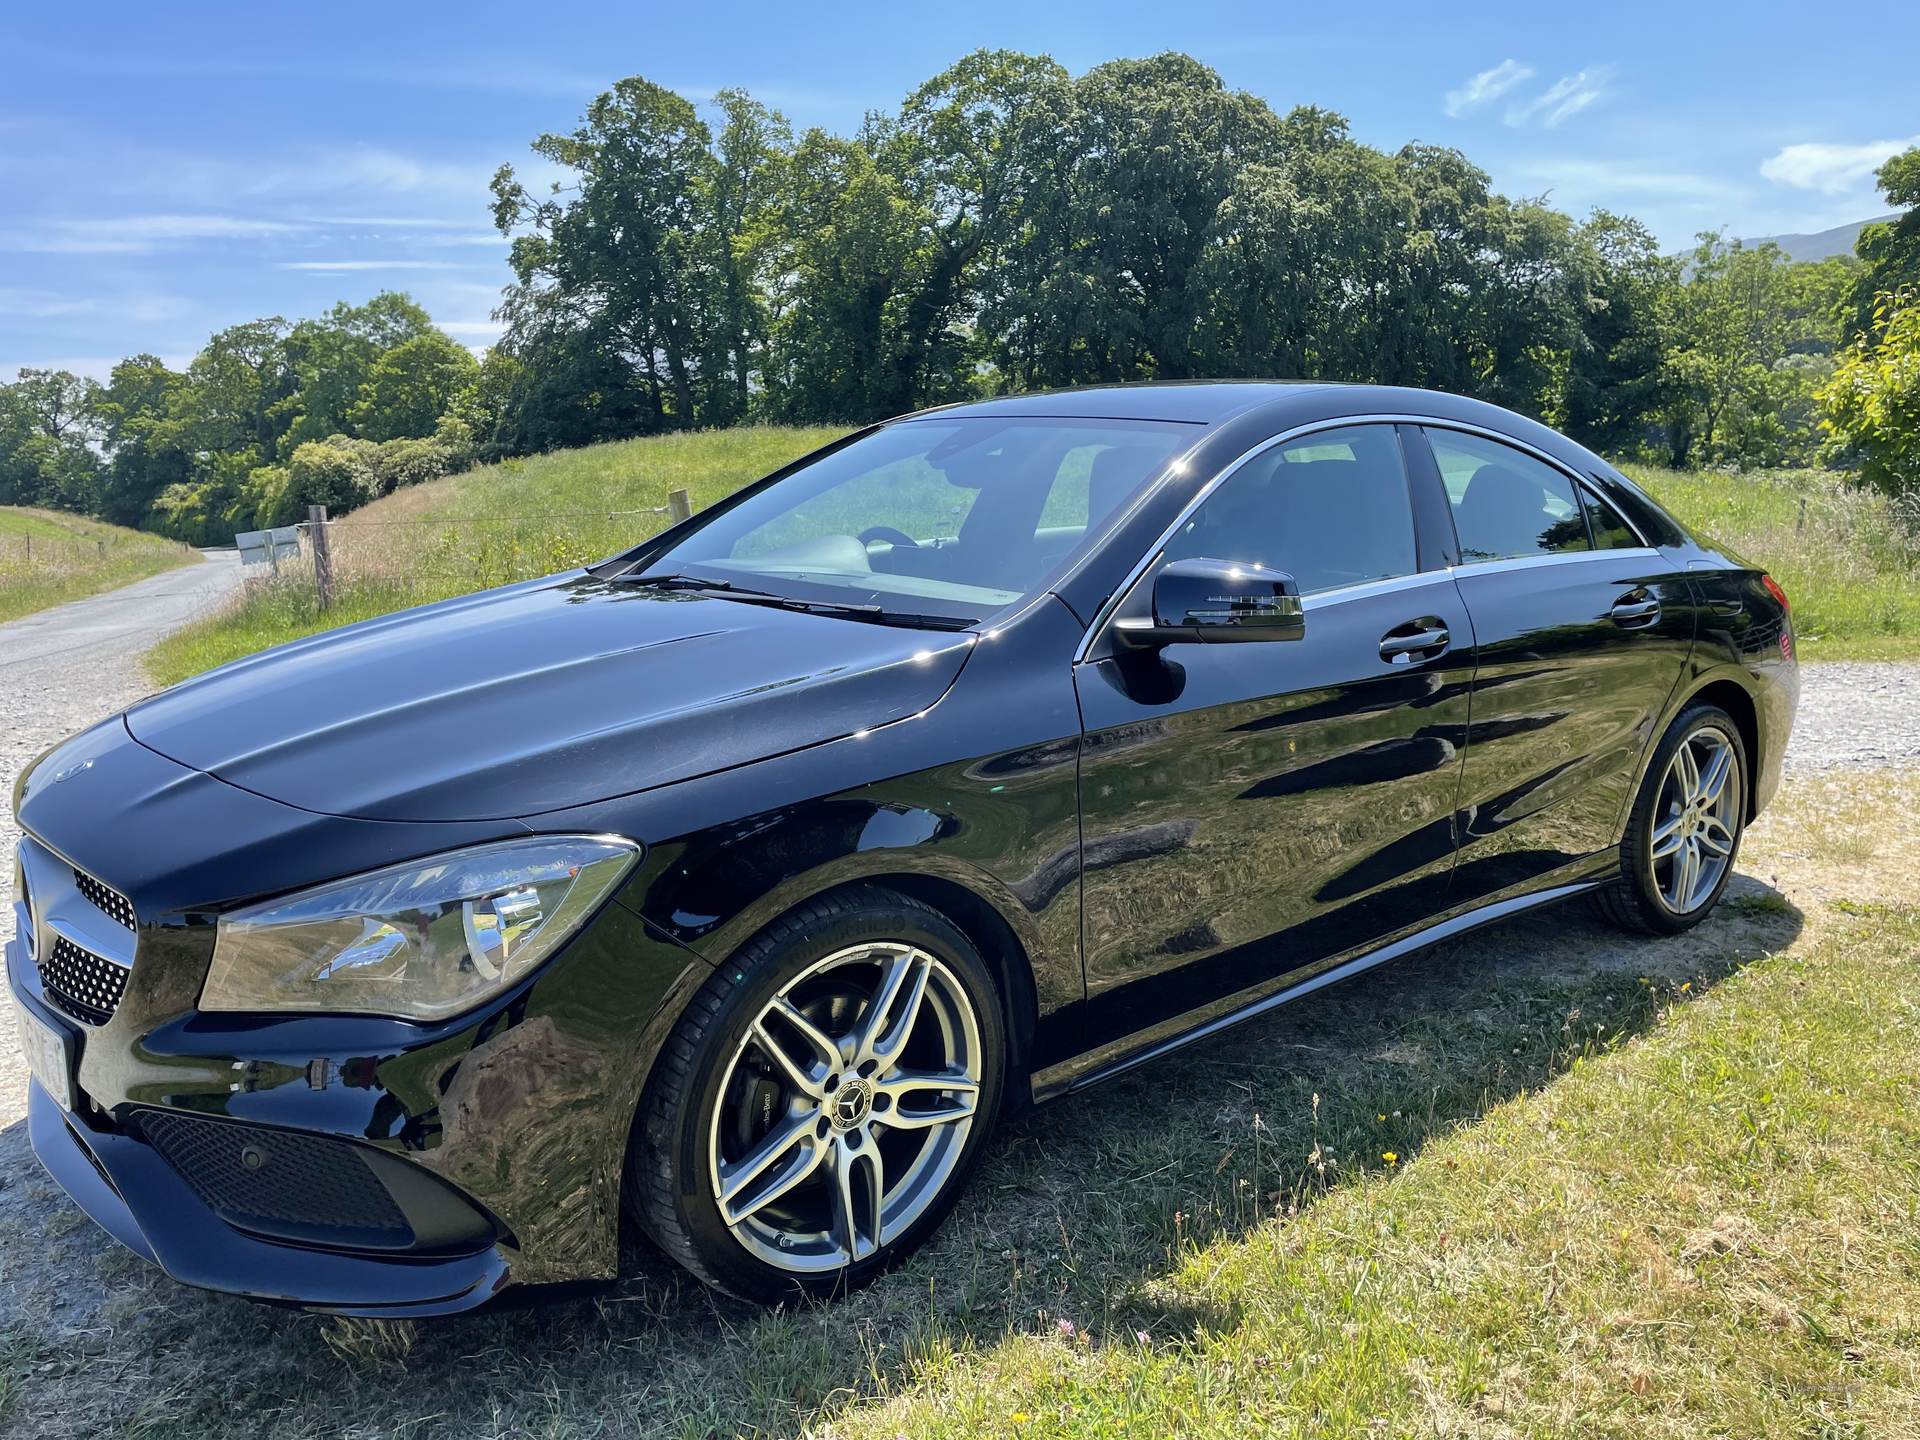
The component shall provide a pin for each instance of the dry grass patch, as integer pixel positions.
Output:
(48, 557)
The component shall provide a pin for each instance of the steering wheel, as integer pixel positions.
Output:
(890, 535)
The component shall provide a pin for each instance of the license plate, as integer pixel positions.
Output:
(46, 1053)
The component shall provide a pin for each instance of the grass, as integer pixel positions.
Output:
(48, 557)
(1853, 573)
(1544, 1181)
(1851, 569)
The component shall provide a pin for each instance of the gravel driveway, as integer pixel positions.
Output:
(61, 670)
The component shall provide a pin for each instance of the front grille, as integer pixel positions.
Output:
(280, 1182)
(85, 985)
(106, 899)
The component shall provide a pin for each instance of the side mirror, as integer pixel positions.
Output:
(1218, 601)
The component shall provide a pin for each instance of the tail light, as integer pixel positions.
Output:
(1786, 615)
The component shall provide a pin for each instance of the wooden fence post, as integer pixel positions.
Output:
(679, 505)
(322, 556)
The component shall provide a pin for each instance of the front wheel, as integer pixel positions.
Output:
(819, 1106)
(1684, 833)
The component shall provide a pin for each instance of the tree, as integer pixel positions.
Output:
(411, 386)
(143, 433)
(1617, 377)
(332, 358)
(1870, 407)
(47, 429)
(1889, 252)
(625, 251)
(1748, 340)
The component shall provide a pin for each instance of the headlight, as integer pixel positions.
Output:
(422, 940)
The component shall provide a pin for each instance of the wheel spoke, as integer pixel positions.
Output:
(1714, 836)
(1666, 838)
(799, 1069)
(859, 1183)
(1714, 779)
(896, 1006)
(1687, 770)
(956, 1097)
(1689, 867)
(741, 1194)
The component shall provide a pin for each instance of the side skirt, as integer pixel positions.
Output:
(1084, 1070)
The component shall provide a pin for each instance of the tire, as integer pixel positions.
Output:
(1654, 895)
(745, 1111)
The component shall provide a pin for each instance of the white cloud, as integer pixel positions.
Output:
(335, 267)
(1567, 96)
(136, 234)
(47, 305)
(1831, 168)
(1486, 87)
(1629, 177)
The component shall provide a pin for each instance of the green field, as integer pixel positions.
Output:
(1852, 572)
(48, 557)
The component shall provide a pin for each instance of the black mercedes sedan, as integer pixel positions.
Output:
(732, 888)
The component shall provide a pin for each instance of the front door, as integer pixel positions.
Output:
(1582, 632)
(1250, 810)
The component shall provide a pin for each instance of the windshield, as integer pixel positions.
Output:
(950, 517)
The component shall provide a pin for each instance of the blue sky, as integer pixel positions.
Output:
(169, 169)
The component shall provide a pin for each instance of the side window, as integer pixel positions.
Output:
(1505, 502)
(1331, 509)
(1610, 528)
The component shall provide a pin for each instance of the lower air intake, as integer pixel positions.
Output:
(280, 1183)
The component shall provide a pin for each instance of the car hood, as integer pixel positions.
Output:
(538, 697)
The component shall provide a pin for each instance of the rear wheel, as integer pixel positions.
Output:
(824, 1098)
(1684, 833)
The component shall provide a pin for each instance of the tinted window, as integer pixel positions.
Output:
(954, 516)
(1331, 509)
(1610, 529)
(1505, 502)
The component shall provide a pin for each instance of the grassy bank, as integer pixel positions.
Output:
(1853, 573)
(1850, 568)
(1547, 1180)
(497, 523)
(48, 557)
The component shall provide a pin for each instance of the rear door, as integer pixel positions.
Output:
(1581, 632)
(1249, 810)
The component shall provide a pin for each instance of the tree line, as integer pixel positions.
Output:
(1009, 227)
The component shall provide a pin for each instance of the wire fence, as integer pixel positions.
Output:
(22, 555)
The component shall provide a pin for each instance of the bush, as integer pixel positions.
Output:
(1871, 405)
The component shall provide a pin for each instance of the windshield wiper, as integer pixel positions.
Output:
(850, 610)
(847, 609)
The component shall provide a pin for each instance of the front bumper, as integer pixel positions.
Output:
(127, 1187)
(491, 1146)
(179, 1233)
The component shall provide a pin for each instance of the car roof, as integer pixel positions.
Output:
(1191, 402)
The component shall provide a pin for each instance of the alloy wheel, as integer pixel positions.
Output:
(845, 1110)
(1697, 819)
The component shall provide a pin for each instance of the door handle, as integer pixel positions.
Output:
(1635, 614)
(1415, 640)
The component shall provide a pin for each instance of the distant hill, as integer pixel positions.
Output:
(1822, 243)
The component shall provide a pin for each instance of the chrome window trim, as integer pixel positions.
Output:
(1567, 557)
(1104, 617)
